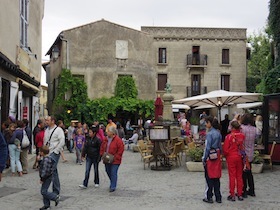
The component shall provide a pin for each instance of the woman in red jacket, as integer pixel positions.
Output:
(232, 146)
(114, 146)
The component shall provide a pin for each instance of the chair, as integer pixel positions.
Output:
(146, 158)
(175, 154)
(184, 149)
(268, 157)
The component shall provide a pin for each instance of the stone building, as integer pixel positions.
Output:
(192, 60)
(20, 58)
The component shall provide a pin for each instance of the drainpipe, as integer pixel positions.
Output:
(67, 50)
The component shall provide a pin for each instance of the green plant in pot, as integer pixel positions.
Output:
(196, 154)
(257, 159)
(194, 121)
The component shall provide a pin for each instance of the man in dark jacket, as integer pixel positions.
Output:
(3, 154)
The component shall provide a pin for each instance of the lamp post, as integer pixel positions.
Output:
(55, 52)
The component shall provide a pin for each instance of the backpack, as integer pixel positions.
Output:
(25, 140)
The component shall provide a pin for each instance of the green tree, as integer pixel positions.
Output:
(82, 108)
(260, 61)
(126, 88)
(274, 26)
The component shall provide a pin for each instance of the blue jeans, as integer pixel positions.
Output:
(71, 145)
(112, 172)
(55, 178)
(78, 155)
(89, 162)
(47, 196)
(14, 152)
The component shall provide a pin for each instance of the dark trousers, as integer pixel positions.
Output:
(248, 180)
(89, 162)
(212, 184)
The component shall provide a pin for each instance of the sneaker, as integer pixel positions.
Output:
(44, 207)
(96, 185)
(57, 200)
(112, 190)
(81, 163)
(219, 201)
(208, 200)
(82, 186)
(231, 198)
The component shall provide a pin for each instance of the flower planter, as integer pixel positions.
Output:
(194, 166)
(257, 168)
(194, 129)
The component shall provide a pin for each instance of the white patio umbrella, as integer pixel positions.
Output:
(219, 98)
(249, 105)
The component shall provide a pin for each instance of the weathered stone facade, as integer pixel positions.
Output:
(20, 58)
(90, 51)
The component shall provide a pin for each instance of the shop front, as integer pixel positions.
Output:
(271, 125)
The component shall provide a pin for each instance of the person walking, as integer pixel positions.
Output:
(78, 145)
(91, 151)
(38, 140)
(3, 154)
(54, 137)
(213, 141)
(232, 151)
(71, 130)
(250, 133)
(112, 145)
(15, 149)
(45, 173)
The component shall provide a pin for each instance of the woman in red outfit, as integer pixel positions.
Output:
(232, 146)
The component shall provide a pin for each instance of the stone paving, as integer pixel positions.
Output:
(137, 189)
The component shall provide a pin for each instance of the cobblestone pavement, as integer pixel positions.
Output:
(137, 189)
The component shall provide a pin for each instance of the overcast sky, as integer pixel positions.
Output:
(65, 14)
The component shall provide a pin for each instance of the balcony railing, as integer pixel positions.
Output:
(194, 92)
(196, 60)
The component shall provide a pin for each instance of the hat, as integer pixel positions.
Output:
(12, 118)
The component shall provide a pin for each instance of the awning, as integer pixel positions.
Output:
(27, 84)
(249, 105)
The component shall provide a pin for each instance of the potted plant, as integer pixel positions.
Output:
(257, 164)
(196, 159)
(194, 121)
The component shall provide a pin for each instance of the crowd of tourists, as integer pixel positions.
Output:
(96, 143)
(238, 149)
(89, 143)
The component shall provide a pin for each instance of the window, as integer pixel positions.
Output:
(23, 23)
(225, 56)
(162, 55)
(225, 82)
(162, 80)
(196, 84)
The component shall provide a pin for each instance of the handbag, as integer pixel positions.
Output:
(25, 140)
(107, 158)
(213, 155)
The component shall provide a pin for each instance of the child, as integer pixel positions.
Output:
(45, 172)
(78, 145)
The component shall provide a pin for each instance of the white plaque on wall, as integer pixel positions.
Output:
(121, 49)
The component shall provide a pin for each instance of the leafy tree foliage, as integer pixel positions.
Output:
(260, 61)
(274, 25)
(126, 88)
(84, 109)
(272, 81)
